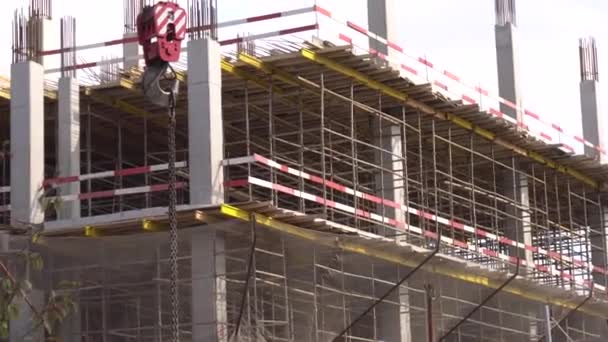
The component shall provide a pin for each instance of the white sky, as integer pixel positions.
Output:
(457, 35)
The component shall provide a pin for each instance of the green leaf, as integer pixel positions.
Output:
(4, 329)
(13, 311)
(7, 285)
(36, 237)
(36, 261)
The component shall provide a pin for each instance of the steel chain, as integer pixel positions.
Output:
(173, 242)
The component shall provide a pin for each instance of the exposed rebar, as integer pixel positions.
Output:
(202, 18)
(132, 8)
(505, 12)
(68, 42)
(588, 57)
(41, 9)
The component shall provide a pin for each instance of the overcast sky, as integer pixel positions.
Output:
(458, 35)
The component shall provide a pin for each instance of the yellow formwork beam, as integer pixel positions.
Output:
(335, 66)
(118, 104)
(396, 258)
(90, 231)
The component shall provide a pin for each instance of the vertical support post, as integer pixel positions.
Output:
(380, 16)
(548, 327)
(507, 58)
(517, 225)
(205, 137)
(130, 51)
(206, 152)
(593, 125)
(390, 184)
(27, 142)
(68, 142)
(48, 39)
(209, 314)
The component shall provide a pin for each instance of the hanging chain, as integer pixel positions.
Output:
(173, 243)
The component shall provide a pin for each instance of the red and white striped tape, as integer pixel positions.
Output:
(164, 16)
(117, 192)
(420, 213)
(229, 23)
(53, 182)
(226, 42)
(404, 227)
(455, 78)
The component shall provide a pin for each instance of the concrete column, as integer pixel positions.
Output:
(394, 321)
(48, 39)
(130, 52)
(68, 143)
(394, 324)
(518, 225)
(390, 183)
(205, 137)
(508, 68)
(598, 222)
(515, 186)
(23, 328)
(27, 142)
(209, 316)
(593, 124)
(381, 21)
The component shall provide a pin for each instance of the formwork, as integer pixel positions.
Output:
(319, 138)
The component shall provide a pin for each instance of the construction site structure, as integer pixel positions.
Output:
(331, 186)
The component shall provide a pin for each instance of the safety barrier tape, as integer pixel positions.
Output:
(404, 227)
(117, 192)
(53, 182)
(479, 91)
(222, 43)
(229, 23)
(420, 213)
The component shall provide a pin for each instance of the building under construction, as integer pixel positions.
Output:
(330, 186)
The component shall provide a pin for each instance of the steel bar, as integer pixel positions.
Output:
(482, 304)
(568, 315)
(393, 288)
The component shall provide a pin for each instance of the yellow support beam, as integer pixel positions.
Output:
(119, 104)
(335, 66)
(152, 226)
(90, 231)
(349, 245)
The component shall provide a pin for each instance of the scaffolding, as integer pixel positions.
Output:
(342, 176)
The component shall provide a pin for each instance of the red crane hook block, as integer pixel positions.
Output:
(160, 31)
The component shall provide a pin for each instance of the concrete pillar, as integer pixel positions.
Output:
(507, 58)
(27, 142)
(593, 124)
(381, 21)
(24, 327)
(130, 52)
(390, 183)
(395, 320)
(206, 152)
(68, 142)
(209, 315)
(517, 226)
(48, 39)
(515, 186)
(205, 137)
